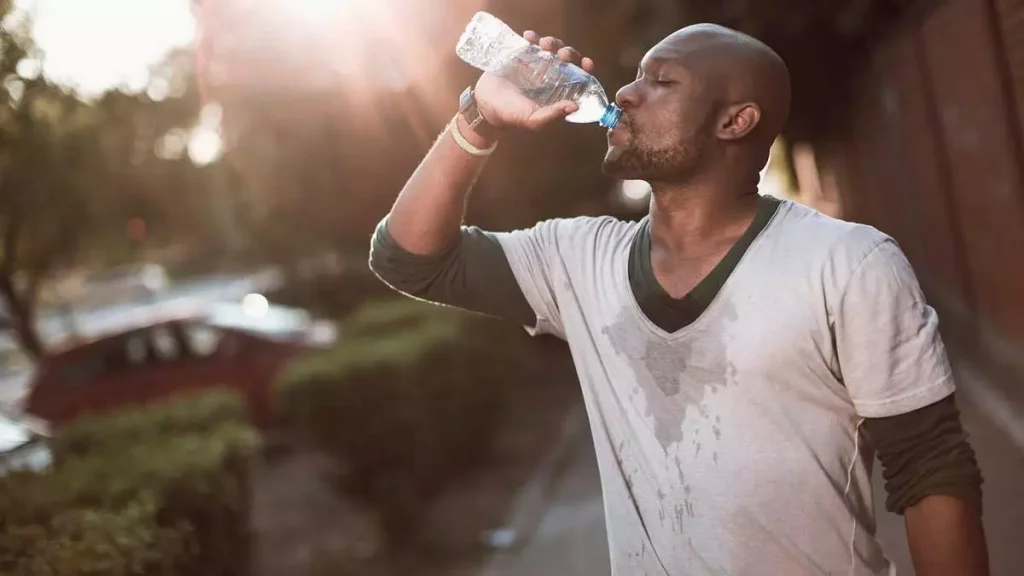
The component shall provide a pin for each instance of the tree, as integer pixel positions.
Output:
(44, 140)
(74, 173)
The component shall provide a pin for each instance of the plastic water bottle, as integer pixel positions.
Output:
(492, 46)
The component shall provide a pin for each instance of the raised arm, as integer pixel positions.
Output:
(421, 247)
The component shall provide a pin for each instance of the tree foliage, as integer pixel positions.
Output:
(74, 173)
(314, 155)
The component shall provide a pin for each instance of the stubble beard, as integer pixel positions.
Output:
(639, 162)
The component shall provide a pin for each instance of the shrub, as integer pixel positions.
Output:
(90, 542)
(173, 504)
(187, 413)
(409, 398)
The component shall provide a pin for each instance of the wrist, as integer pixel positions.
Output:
(482, 135)
(471, 121)
(475, 144)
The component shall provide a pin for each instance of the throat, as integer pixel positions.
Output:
(692, 228)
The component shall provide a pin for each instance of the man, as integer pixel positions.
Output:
(742, 358)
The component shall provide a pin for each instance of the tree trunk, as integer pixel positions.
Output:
(23, 317)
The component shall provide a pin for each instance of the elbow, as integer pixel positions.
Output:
(403, 271)
(378, 259)
(395, 280)
(930, 455)
(381, 272)
(385, 261)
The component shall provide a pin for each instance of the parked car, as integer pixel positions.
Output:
(23, 444)
(126, 283)
(13, 359)
(237, 345)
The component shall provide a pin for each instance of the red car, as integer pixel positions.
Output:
(219, 345)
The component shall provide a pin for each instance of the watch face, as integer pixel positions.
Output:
(469, 111)
(466, 98)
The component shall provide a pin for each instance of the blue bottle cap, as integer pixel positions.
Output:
(611, 116)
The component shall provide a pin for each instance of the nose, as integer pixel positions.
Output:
(627, 96)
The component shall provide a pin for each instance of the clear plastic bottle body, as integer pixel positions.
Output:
(490, 45)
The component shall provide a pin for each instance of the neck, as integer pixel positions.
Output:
(688, 220)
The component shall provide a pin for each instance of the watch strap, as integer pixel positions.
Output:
(470, 112)
(465, 144)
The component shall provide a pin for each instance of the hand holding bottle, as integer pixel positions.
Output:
(503, 103)
(530, 81)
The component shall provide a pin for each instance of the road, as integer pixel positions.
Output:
(570, 539)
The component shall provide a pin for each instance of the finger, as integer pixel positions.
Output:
(531, 36)
(569, 54)
(545, 115)
(587, 64)
(551, 44)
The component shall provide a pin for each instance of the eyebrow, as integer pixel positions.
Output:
(664, 63)
(648, 61)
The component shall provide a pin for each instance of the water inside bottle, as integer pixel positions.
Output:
(593, 107)
(490, 45)
(546, 80)
(592, 103)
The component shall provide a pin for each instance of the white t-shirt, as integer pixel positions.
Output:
(732, 446)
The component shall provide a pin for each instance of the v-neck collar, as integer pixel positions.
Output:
(673, 314)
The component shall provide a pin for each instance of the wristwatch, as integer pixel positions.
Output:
(470, 112)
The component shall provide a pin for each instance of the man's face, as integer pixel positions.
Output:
(667, 127)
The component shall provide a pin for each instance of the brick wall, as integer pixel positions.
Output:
(929, 152)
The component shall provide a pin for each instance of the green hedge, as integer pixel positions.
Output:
(410, 398)
(189, 412)
(90, 542)
(166, 504)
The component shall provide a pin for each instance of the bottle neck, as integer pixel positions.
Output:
(611, 116)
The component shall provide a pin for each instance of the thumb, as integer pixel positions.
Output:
(547, 114)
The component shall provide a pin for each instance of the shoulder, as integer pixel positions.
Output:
(575, 236)
(595, 232)
(838, 243)
(843, 250)
(596, 227)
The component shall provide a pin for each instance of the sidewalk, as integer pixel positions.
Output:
(569, 539)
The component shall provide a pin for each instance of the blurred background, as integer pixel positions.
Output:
(199, 375)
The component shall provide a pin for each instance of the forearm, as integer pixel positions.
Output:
(429, 211)
(946, 537)
(933, 480)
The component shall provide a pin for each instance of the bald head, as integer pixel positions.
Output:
(735, 69)
(706, 97)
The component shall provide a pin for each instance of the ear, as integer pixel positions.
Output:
(738, 120)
